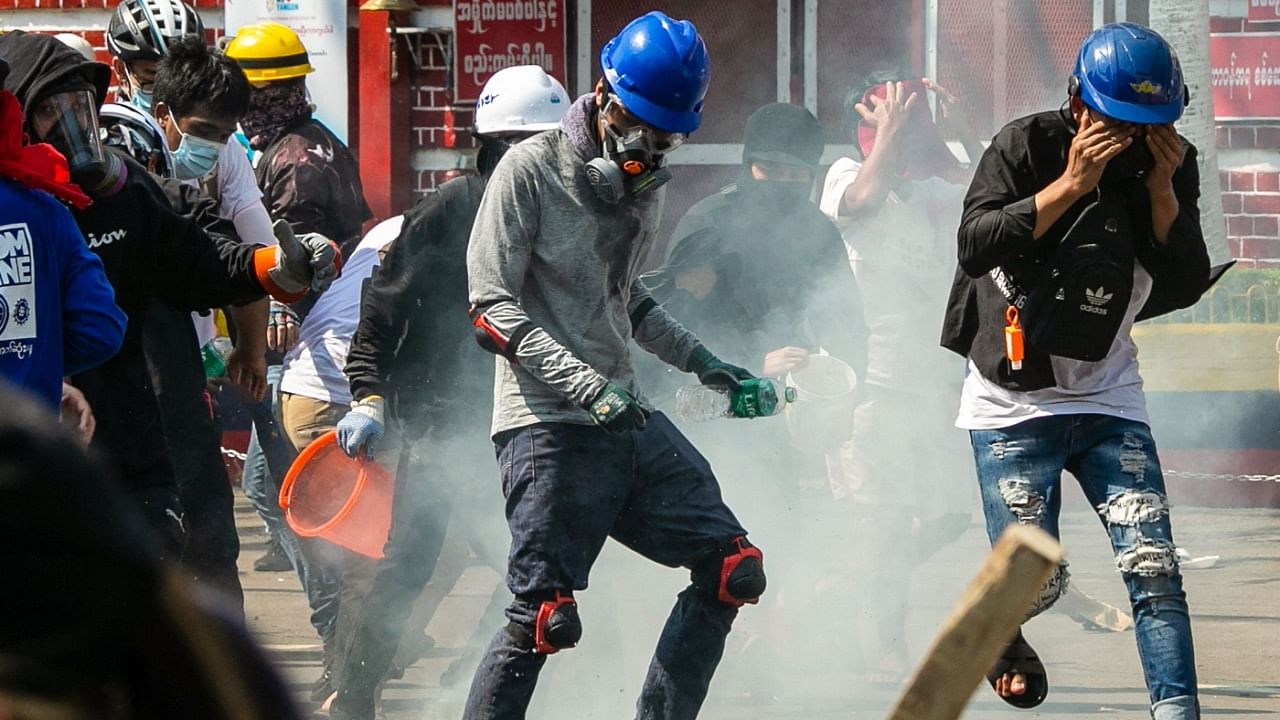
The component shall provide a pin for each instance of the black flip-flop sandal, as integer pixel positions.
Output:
(1019, 658)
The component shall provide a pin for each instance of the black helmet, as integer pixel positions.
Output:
(143, 29)
(137, 134)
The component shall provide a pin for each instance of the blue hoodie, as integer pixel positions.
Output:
(58, 314)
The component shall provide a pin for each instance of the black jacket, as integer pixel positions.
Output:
(151, 253)
(996, 231)
(781, 277)
(414, 345)
(312, 181)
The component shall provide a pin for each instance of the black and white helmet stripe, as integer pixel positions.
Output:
(143, 29)
(138, 134)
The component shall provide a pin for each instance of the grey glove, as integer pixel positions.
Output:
(307, 260)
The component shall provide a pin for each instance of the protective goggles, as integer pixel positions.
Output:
(69, 122)
(631, 133)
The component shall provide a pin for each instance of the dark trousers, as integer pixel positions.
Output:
(213, 545)
(194, 442)
(378, 596)
(568, 488)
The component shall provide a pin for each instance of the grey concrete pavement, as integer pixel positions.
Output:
(1235, 606)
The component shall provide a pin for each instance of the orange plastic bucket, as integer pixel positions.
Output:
(343, 500)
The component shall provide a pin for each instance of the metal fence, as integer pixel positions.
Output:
(1258, 304)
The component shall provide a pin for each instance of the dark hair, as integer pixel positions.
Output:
(193, 76)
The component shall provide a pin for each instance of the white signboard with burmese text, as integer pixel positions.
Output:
(322, 25)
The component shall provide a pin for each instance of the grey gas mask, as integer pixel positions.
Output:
(633, 161)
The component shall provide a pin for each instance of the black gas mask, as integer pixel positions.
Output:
(68, 121)
(633, 161)
(773, 195)
(491, 151)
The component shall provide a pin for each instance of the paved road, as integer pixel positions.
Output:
(1236, 608)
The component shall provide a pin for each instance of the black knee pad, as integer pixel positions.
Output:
(556, 625)
(742, 578)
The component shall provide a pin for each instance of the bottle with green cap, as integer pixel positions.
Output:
(214, 355)
(758, 397)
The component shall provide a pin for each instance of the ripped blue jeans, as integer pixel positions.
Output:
(1114, 460)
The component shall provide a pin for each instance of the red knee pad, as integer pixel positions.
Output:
(742, 580)
(557, 626)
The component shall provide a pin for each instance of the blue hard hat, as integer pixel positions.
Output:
(659, 69)
(1130, 73)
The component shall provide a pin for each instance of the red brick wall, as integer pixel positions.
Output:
(437, 123)
(92, 25)
(1249, 161)
(86, 4)
(1251, 203)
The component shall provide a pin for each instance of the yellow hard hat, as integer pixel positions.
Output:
(269, 51)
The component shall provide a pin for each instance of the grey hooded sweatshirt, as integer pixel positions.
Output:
(544, 250)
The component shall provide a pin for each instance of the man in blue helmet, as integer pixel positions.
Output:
(567, 219)
(1077, 224)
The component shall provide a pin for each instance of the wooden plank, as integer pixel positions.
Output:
(980, 625)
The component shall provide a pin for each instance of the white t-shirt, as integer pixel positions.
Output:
(314, 367)
(1112, 386)
(904, 257)
(238, 193)
(237, 186)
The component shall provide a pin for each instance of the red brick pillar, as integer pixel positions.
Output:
(384, 112)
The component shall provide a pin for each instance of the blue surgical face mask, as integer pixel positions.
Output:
(141, 100)
(195, 157)
(138, 97)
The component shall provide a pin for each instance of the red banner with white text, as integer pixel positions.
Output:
(1246, 75)
(494, 34)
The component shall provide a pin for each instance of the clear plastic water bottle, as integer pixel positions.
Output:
(760, 397)
(214, 355)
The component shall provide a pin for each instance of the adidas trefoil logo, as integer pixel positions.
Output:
(1099, 297)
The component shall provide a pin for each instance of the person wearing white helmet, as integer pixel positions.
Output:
(414, 369)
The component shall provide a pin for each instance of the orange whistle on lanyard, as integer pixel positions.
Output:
(1013, 338)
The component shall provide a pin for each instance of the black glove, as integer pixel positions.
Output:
(617, 410)
(716, 373)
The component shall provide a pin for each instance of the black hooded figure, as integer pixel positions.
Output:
(759, 270)
(757, 266)
(40, 68)
(149, 251)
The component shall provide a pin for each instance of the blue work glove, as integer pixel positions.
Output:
(716, 373)
(363, 427)
(617, 410)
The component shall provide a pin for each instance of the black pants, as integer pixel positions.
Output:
(213, 546)
(194, 443)
(568, 489)
(378, 596)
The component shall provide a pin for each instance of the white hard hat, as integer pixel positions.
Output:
(77, 43)
(522, 99)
